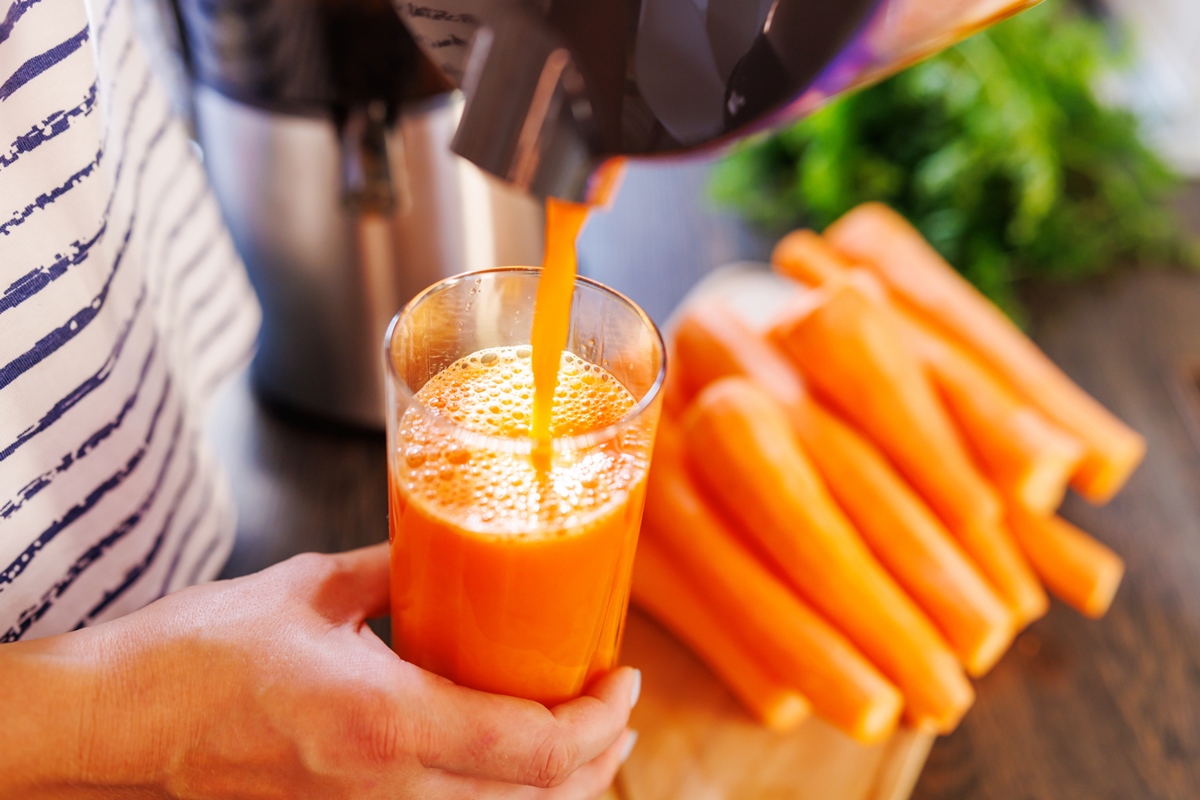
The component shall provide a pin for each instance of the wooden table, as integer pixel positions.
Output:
(1078, 709)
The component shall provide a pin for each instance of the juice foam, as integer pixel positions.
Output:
(492, 490)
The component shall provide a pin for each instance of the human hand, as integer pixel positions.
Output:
(272, 686)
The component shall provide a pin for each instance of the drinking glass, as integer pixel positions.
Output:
(518, 586)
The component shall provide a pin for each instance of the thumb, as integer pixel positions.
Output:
(358, 586)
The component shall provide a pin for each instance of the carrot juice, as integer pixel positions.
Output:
(506, 576)
(513, 525)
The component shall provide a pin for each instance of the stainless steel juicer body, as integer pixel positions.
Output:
(331, 270)
(327, 141)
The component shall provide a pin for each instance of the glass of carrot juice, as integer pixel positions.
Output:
(510, 556)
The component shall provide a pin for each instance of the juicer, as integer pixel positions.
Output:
(362, 150)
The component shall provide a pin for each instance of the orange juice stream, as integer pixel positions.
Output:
(552, 308)
(511, 566)
(552, 311)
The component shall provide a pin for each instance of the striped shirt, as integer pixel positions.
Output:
(122, 306)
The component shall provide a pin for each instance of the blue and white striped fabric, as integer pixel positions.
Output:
(122, 306)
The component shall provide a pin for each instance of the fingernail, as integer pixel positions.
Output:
(636, 691)
(628, 748)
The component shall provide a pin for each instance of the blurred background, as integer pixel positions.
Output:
(1049, 148)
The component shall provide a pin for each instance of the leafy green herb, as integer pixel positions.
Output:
(997, 149)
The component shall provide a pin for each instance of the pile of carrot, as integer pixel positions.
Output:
(852, 505)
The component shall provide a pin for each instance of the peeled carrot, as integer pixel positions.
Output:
(660, 589)
(992, 547)
(1079, 570)
(674, 385)
(805, 256)
(912, 543)
(1028, 458)
(712, 343)
(740, 443)
(886, 243)
(787, 638)
(859, 360)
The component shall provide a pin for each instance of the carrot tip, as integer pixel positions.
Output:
(1043, 488)
(1101, 598)
(1032, 606)
(1097, 483)
(988, 652)
(787, 713)
(880, 722)
(946, 722)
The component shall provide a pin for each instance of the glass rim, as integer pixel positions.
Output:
(524, 444)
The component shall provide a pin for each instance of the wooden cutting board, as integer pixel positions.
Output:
(696, 743)
(694, 740)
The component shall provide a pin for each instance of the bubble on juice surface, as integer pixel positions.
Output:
(491, 392)
(498, 491)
